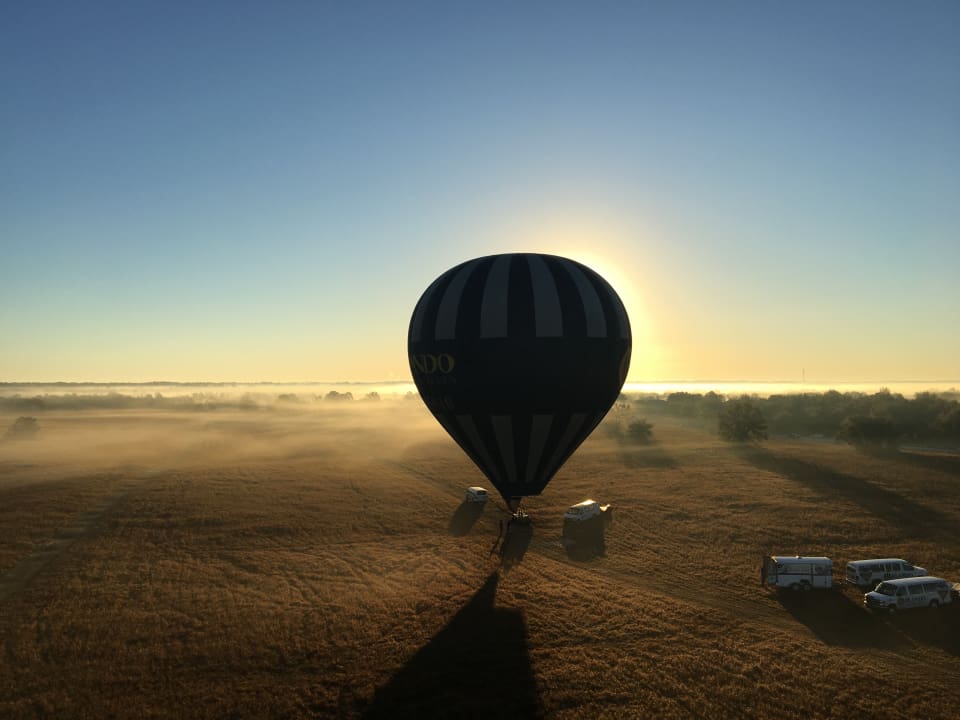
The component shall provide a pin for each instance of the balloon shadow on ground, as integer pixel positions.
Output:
(477, 666)
(464, 518)
(839, 621)
(886, 504)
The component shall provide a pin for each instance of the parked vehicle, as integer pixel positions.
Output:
(584, 529)
(797, 572)
(906, 593)
(585, 510)
(475, 495)
(867, 573)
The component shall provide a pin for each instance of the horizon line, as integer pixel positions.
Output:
(686, 381)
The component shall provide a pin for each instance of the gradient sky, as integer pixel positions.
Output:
(261, 191)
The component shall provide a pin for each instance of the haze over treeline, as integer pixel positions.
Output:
(882, 419)
(193, 401)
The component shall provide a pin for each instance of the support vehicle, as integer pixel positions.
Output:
(797, 572)
(475, 495)
(585, 510)
(906, 593)
(867, 573)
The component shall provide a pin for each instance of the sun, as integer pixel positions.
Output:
(607, 250)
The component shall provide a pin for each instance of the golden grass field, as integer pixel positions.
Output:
(319, 564)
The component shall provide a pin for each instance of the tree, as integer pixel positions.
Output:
(683, 403)
(334, 395)
(22, 428)
(869, 432)
(640, 431)
(741, 421)
(948, 423)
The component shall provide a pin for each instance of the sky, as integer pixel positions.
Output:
(254, 191)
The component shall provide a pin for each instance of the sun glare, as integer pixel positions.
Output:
(609, 250)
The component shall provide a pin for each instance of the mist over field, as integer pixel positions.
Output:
(301, 554)
(154, 425)
(306, 551)
(150, 434)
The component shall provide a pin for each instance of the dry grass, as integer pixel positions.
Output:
(282, 564)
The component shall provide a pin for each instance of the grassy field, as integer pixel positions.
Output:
(320, 564)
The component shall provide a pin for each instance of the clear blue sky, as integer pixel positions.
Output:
(260, 191)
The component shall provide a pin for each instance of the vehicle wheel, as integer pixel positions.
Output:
(794, 587)
(934, 603)
(806, 587)
(892, 610)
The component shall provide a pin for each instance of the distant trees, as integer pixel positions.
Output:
(23, 428)
(869, 432)
(334, 395)
(637, 431)
(741, 421)
(684, 404)
(947, 423)
(881, 419)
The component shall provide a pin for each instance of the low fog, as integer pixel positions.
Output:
(149, 433)
(155, 432)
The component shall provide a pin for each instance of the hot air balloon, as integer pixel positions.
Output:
(519, 356)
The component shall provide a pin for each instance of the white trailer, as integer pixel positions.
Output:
(583, 511)
(797, 572)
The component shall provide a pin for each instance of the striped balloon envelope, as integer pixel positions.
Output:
(519, 357)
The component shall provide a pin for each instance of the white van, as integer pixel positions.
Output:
(475, 495)
(867, 573)
(585, 510)
(798, 572)
(904, 593)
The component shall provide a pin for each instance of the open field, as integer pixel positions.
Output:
(285, 563)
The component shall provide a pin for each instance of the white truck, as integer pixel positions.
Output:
(797, 572)
(906, 593)
(867, 573)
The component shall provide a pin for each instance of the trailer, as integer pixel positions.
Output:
(797, 572)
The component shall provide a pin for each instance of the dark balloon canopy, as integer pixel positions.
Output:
(519, 357)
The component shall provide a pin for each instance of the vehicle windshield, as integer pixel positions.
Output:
(886, 589)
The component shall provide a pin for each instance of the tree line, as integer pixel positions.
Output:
(882, 419)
